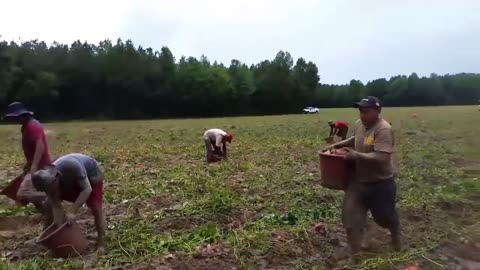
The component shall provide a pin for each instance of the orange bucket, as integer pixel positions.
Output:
(335, 170)
(64, 241)
(12, 188)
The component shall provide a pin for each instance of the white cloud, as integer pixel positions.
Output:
(63, 21)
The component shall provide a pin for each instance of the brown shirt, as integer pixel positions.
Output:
(378, 138)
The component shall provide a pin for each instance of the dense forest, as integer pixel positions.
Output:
(124, 81)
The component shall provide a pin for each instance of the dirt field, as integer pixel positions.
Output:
(167, 209)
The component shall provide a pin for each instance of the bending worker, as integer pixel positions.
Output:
(339, 128)
(35, 149)
(75, 178)
(216, 142)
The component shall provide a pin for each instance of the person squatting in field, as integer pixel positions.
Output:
(74, 178)
(373, 186)
(35, 150)
(339, 128)
(216, 143)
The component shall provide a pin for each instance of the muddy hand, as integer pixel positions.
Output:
(70, 218)
(351, 153)
(327, 148)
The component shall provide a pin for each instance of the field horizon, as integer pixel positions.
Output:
(167, 209)
(106, 119)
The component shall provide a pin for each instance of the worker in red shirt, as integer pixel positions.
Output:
(35, 149)
(339, 128)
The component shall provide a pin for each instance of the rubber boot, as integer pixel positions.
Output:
(354, 239)
(365, 240)
(396, 241)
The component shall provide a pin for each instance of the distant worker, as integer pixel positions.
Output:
(75, 178)
(35, 149)
(339, 128)
(216, 143)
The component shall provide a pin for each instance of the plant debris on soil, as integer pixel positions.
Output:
(263, 207)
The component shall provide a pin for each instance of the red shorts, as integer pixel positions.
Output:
(95, 199)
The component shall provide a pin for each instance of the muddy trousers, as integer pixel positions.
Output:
(342, 133)
(379, 199)
(211, 148)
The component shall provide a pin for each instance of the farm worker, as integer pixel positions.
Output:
(35, 149)
(75, 178)
(216, 142)
(373, 187)
(339, 128)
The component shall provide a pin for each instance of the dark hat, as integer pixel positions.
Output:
(16, 109)
(369, 102)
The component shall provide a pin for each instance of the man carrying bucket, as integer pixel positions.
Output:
(216, 143)
(35, 149)
(372, 187)
(75, 178)
(339, 128)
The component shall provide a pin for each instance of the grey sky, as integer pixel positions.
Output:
(360, 39)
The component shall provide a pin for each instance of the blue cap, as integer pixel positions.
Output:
(16, 109)
(369, 102)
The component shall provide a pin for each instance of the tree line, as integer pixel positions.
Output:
(121, 80)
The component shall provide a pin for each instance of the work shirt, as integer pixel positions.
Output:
(378, 138)
(341, 125)
(215, 135)
(32, 131)
(76, 169)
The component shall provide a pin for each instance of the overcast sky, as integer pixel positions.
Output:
(347, 39)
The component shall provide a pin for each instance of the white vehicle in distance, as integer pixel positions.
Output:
(309, 110)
